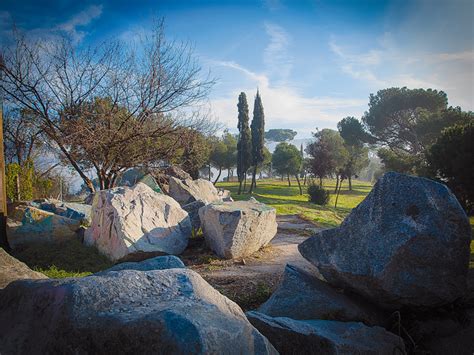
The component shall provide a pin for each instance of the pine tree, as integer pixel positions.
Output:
(244, 144)
(258, 134)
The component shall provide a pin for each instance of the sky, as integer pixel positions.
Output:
(314, 62)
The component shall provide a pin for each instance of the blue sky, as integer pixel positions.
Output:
(314, 62)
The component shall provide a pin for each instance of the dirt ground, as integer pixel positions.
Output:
(250, 281)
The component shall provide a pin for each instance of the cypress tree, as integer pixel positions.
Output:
(244, 144)
(258, 137)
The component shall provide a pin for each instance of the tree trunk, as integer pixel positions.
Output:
(337, 183)
(240, 187)
(245, 181)
(304, 181)
(209, 172)
(18, 187)
(320, 181)
(253, 183)
(228, 175)
(350, 182)
(218, 176)
(338, 192)
(299, 184)
(288, 177)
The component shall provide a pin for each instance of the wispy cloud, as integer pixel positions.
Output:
(276, 57)
(81, 19)
(285, 107)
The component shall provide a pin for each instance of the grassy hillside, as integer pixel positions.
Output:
(287, 200)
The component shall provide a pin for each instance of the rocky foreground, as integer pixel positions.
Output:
(391, 279)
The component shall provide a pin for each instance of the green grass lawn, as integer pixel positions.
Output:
(287, 200)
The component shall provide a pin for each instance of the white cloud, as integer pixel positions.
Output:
(285, 107)
(392, 65)
(81, 19)
(277, 60)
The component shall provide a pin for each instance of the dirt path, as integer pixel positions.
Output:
(250, 281)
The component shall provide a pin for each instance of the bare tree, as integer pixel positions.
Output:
(109, 107)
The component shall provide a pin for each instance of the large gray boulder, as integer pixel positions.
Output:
(78, 211)
(27, 224)
(323, 337)
(136, 220)
(187, 191)
(303, 296)
(237, 229)
(171, 311)
(12, 269)
(193, 212)
(406, 244)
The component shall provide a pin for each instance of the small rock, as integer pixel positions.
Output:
(156, 263)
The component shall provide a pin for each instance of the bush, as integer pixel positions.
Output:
(318, 194)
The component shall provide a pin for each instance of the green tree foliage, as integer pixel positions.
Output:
(23, 182)
(244, 144)
(327, 154)
(287, 161)
(354, 137)
(280, 135)
(451, 158)
(195, 152)
(394, 114)
(224, 153)
(258, 140)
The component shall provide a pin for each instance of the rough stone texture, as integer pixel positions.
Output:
(237, 229)
(193, 212)
(157, 263)
(137, 220)
(187, 191)
(78, 211)
(150, 181)
(126, 312)
(12, 269)
(290, 336)
(162, 176)
(303, 296)
(32, 225)
(225, 195)
(406, 244)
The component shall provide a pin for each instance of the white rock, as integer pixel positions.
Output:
(187, 191)
(237, 229)
(137, 220)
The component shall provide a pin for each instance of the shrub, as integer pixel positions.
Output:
(318, 194)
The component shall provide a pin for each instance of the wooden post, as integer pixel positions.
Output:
(3, 188)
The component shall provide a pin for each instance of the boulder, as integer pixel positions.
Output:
(172, 311)
(187, 191)
(137, 220)
(78, 211)
(150, 181)
(12, 269)
(406, 244)
(156, 263)
(28, 224)
(225, 195)
(303, 296)
(291, 336)
(237, 229)
(193, 212)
